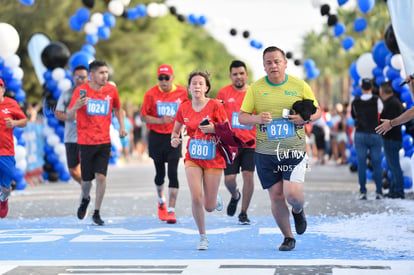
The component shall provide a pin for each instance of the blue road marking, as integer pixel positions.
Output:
(148, 238)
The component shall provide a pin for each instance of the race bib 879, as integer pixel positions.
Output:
(280, 128)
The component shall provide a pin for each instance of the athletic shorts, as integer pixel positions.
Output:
(72, 154)
(272, 168)
(243, 160)
(7, 168)
(94, 159)
(160, 149)
(207, 170)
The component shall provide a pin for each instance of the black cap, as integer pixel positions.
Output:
(366, 84)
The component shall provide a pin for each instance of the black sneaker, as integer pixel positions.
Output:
(288, 244)
(97, 219)
(300, 222)
(243, 219)
(231, 208)
(83, 208)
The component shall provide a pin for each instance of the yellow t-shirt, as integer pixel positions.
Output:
(263, 96)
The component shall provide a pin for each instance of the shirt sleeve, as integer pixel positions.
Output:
(308, 94)
(75, 97)
(248, 102)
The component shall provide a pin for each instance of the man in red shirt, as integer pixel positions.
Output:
(92, 104)
(158, 111)
(10, 116)
(232, 97)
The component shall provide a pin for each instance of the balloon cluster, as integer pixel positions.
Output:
(339, 29)
(12, 75)
(55, 56)
(310, 68)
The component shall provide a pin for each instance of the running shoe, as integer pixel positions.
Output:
(219, 206)
(232, 207)
(379, 196)
(363, 196)
(243, 219)
(83, 208)
(97, 219)
(300, 221)
(288, 244)
(162, 211)
(203, 244)
(171, 217)
(4, 208)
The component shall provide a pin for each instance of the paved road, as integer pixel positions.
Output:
(42, 236)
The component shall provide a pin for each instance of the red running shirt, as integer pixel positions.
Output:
(158, 103)
(94, 119)
(8, 109)
(232, 102)
(214, 111)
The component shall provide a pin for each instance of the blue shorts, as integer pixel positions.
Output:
(7, 168)
(271, 168)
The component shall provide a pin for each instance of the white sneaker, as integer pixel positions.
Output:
(203, 245)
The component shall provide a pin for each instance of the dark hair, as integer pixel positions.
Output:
(273, 49)
(94, 65)
(386, 87)
(366, 84)
(237, 64)
(79, 68)
(206, 76)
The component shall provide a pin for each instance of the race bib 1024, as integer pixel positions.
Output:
(97, 107)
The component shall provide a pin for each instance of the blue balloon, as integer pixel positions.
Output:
(59, 167)
(109, 19)
(309, 64)
(52, 158)
(366, 5)
(409, 152)
(17, 132)
(27, 2)
(406, 96)
(348, 42)
(1, 63)
(7, 74)
(82, 15)
(74, 24)
(392, 74)
(21, 185)
(378, 71)
(192, 19)
(380, 79)
(313, 73)
(339, 29)
(47, 75)
(407, 142)
(64, 176)
(342, 2)
(141, 10)
(202, 20)
(88, 48)
(52, 122)
(104, 33)
(384, 163)
(408, 182)
(350, 122)
(379, 53)
(131, 14)
(18, 174)
(14, 84)
(360, 24)
(91, 38)
(21, 141)
(80, 58)
(369, 175)
(47, 149)
(395, 83)
(20, 96)
(353, 72)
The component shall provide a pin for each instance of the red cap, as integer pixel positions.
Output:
(1, 83)
(165, 69)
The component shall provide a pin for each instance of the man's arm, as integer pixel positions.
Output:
(252, 119)
(157, 120)
(120, 114)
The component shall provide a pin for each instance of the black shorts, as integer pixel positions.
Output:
(243, 160)
(160, 149)
(72, 154)
(94, 159)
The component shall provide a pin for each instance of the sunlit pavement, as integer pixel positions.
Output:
(41, 234)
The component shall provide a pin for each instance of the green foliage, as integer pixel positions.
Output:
(134, 50)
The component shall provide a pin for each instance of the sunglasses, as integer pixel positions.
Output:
(80, 77)
(164, 77)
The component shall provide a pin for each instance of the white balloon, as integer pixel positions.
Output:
(162, 9)
(60, 149)
(365, 64)
(116, 7)
(53, 140)
(125, 2)
(22, 164)
(97, 19)
(64, 84)
(9, 40)
(48, 130)
(18, 73)
(19, 153)
(62, 159)
(405, 163)
(90, 28)
(58, 74)
(316, 3)
(115, 140)
(153, 10)
(397, 61)
(12, 61)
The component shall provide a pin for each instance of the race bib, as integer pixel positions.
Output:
(167, 109)
(236, 124)
(202, 149)
(280, 129)
(97, 107)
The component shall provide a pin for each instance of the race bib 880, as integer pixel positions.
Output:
(202, 149)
